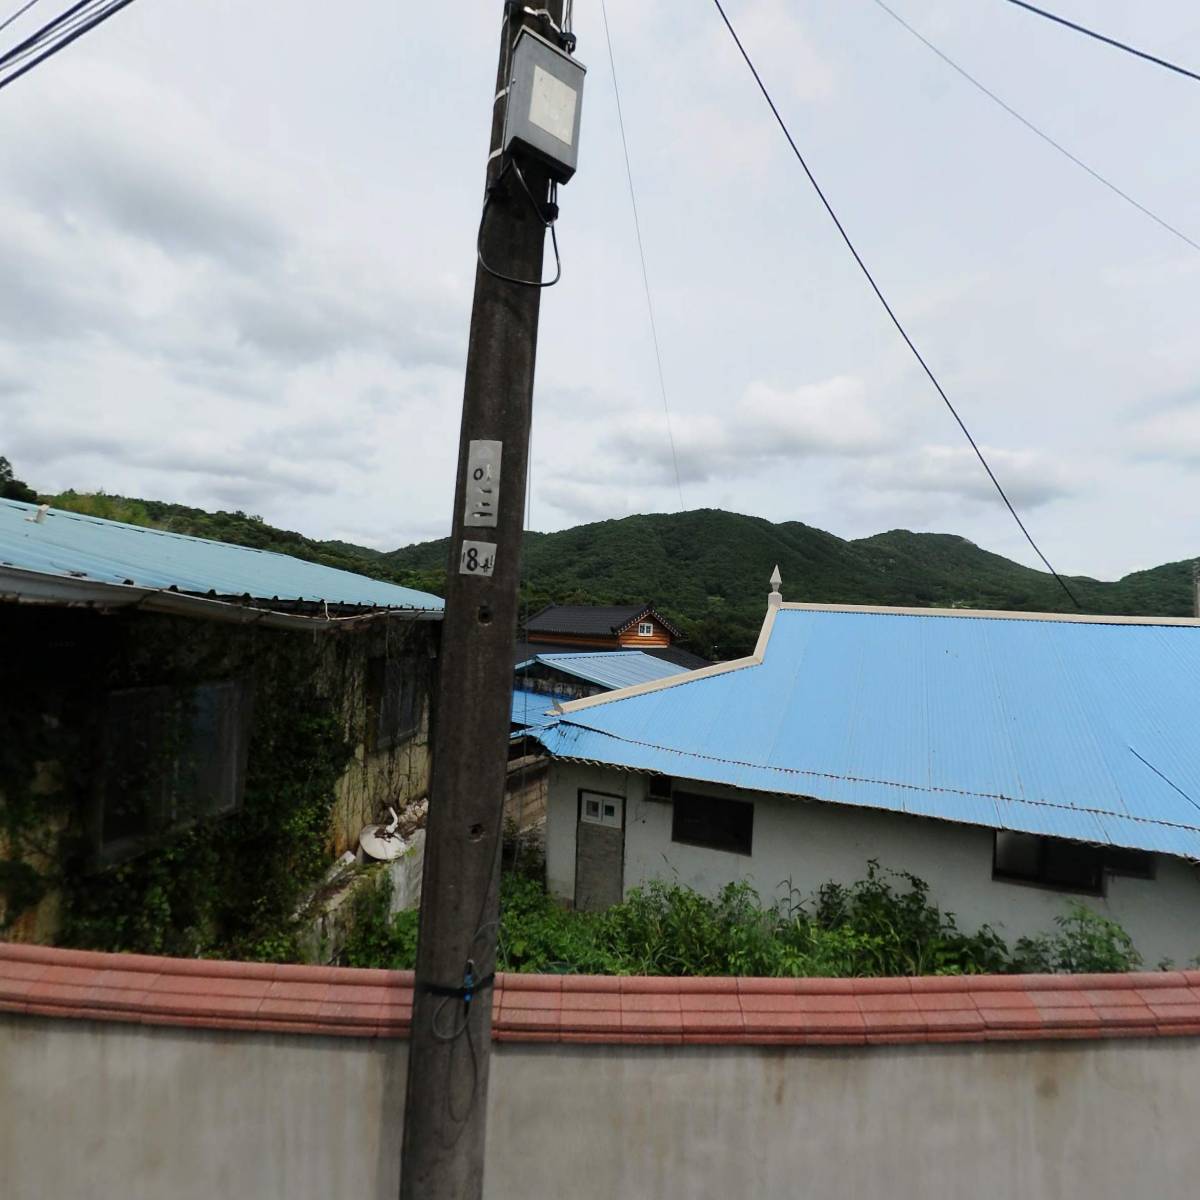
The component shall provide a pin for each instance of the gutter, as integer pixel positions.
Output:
(36, 587)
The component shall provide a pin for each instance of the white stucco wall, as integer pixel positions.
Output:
(809, 843)
(128, 1112)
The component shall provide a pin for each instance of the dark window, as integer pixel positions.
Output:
(169, 757)
(1052, 862)
(393, 701)
(1139, 864)
(659, 787)
(713, 822)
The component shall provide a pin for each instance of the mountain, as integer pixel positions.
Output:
(706, 569)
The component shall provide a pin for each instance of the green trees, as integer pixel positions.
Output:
(12, 488)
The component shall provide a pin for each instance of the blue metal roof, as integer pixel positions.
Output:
(529, 709)
(72, 546)
(609, 668)
(1072, 729)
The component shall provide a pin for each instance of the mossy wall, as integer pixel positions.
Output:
(224, 885)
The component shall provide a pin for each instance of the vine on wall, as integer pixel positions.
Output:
(225, 886)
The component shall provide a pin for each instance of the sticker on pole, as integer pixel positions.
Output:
(478, 558)
(483, 483)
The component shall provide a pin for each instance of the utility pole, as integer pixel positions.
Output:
(450, 1043)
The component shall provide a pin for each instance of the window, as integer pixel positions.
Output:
(169, 756)
(713, 822)
(1058, 863)
(1053, 862)
(1137, 864)
(393, 701)
(598, 809)
(645, 629)
(658, 787)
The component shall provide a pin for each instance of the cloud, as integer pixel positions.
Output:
(1172, 433)
(766, 425)
(1029, 477)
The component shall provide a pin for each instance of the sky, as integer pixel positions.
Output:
(237, 257)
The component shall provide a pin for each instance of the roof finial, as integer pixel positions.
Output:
(775, 599)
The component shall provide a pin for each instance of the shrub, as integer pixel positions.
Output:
(882, 925)
(1086, 941)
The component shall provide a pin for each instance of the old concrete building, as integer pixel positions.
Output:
(155, 685)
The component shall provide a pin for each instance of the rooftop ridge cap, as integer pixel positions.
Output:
(999, 614)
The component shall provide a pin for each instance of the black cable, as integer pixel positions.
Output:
(637, 226)
(888, 308)
(64, 41)
(547, 223)
(1161, 62)
(1012, 112)
(41, 35)
(63, 26)
(23, 9)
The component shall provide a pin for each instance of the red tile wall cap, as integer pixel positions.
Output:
(604, 1010)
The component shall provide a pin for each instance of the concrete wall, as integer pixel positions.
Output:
(808, 843)
(101, 1111)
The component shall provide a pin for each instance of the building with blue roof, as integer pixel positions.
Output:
(49, 555)
(158, 685)
(1012, 760)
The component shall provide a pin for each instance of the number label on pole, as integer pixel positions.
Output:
(477, 558)
(483, 483)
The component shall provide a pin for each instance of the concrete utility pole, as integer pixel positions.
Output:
(450, 1045)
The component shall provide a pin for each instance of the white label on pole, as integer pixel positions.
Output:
(483, 483)
(477, 558)
(552, 105)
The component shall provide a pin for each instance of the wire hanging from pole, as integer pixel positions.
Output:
(762, 87)
(1100, 37)
(1012, 112)
(637, 226)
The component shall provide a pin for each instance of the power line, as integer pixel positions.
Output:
(888, 308)
(23, 9)
(1012, 112)
(1161, 62)
(66, 28)
(637, 225)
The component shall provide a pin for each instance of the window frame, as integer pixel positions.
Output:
(645, 629)
(713, 844)
(381, 670)
(617, 822)
(1039, 880)
(168, 807)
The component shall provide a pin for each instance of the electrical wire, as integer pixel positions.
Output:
(888, 308)
(637, 226)
(57, 35)
(1100, 37)
(23, 9)
(547, 223)
(1012, 112)
(52, 27)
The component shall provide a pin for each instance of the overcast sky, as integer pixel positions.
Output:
(237, 254)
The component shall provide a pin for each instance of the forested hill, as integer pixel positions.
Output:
(707, 569)
(710, 570)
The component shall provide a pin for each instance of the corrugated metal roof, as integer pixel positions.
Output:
(609, 668)
(71, 546)
(1072, 729)
(529, 709)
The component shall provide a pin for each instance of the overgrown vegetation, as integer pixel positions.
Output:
(227, 887)
(883, 925)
